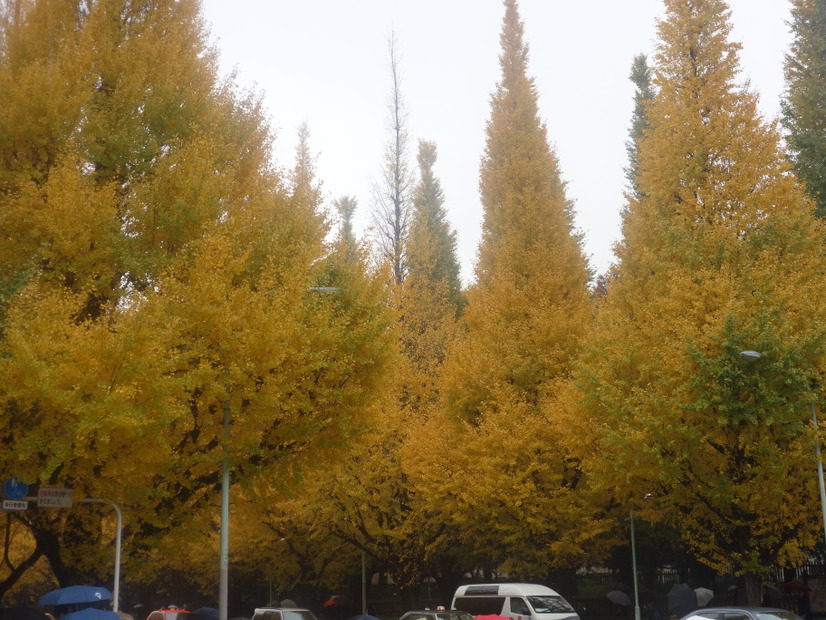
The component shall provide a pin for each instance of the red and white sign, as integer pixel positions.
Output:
(54, 498)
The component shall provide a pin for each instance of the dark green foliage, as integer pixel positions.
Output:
(804, 108)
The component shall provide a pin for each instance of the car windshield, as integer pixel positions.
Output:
(302, 614)
(551, 604)
(777, 615)
(453, 615)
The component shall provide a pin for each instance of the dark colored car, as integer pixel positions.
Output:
(741, 613)
(437, 614)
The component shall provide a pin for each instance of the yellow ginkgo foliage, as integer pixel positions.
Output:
(720, 255)
(506, 480)
(157, 275)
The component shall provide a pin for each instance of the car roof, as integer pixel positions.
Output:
(737, 608)
(504, 589)
(436, 611)
(733, 608)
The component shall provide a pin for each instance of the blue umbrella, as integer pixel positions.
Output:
(74, 595)
(90, 613)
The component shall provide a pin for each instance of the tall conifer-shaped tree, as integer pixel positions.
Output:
(721, 254)
(525, 316)
(643, 92)
(346, 207)
(804, 104)
(432, 242)
(431, 294)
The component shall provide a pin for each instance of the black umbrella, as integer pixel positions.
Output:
(205, 613)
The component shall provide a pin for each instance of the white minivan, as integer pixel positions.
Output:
(519, 601)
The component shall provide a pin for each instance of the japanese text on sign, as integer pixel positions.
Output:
(54, 498)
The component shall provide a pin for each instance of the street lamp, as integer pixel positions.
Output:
(118, 529)
(753, 356)
(223, 571)
(223, 551)
(634, 569)
(819, 472)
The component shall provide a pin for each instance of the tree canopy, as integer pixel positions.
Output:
(804, 103)
(157, 270)
(504, 380)
(720, 254)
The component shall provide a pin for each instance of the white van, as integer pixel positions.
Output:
(519, 601)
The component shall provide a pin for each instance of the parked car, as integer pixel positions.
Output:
(169, 613)
(437, 614)
(283, 613)
(741, 613)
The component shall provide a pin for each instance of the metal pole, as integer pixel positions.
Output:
(118, 529)
(820, 472)
(223, 570)
(634, 569)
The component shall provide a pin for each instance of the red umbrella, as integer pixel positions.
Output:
(797, 585)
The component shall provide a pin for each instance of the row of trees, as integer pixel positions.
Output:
(159, 271)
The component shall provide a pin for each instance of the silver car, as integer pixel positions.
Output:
(437, 614)
(741, 613)
(283, 613)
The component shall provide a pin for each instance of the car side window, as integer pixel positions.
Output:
(519, 607)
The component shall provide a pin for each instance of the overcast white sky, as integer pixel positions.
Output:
(326, 62)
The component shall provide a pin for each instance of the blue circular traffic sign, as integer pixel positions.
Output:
(15, 489)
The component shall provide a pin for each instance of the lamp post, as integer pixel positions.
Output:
(634, 569)
(223, 552)
(118, 528)
(223, 571)
(819, 472)
(753, 356)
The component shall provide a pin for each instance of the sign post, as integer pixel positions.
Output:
(48, 497)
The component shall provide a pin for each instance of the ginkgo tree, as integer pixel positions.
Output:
(158, 273)
(366, 502)
(510, 486)
(720, 254)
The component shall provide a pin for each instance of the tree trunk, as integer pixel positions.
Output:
(748, 589)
